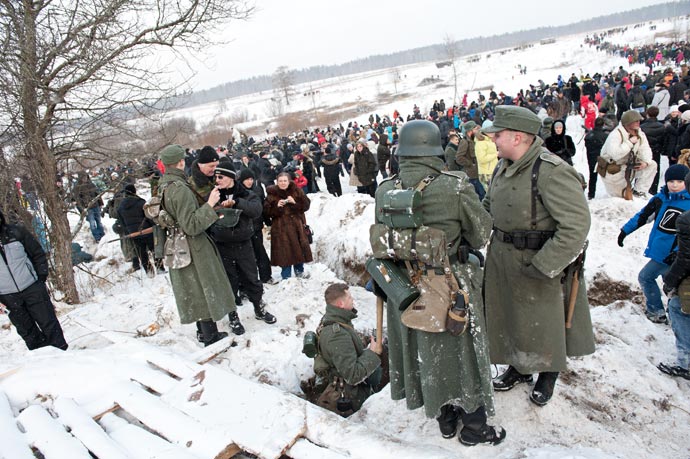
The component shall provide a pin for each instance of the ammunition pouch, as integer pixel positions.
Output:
(605, 166)
(521, 240)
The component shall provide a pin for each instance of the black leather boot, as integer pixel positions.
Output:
(543, 389)
(209, 332)
(448, 421)
(510, 379)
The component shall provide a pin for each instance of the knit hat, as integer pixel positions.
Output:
(468, 126)
(673, 108)
(131, 189)
(685, 116)
(676, 172)
(684, 108)
(207, 155)
(630, 117)
(245, 174)
(226, 169)
(172, 154)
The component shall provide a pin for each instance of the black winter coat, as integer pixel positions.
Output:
(332, 166)
(561, 145)
(250, 205)
(680, 269)
(594, 140)
(656, 134)
(131, 214)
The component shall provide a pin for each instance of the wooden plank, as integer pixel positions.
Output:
(140, 444)
(49, 436)
(304, 449)
(202, 440)
(260, 419)
(87, 430)
(158, 381)
(173, 364)
(209, 353)
(13, 443)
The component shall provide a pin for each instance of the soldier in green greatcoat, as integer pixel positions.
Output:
(541, 221)
(343, 360)
(449, 375)
(202, 289)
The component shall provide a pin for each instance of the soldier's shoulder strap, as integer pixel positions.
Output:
(388, 179)
(550, 158)
(455, 174)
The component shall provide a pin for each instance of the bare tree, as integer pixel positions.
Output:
(72, 71)
(283, 80)
(452, 51)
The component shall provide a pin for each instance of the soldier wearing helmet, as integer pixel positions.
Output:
(449, 375)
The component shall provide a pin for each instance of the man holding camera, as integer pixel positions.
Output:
(625, 140)
(350, 370)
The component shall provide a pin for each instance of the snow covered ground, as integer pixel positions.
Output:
(613, 404)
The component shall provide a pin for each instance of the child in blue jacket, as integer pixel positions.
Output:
(663, 209)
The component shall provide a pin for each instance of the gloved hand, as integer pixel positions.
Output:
(532, 272)
(621, 236)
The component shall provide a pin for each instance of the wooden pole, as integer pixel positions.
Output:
(379, 319)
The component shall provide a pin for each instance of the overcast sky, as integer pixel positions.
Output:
(303, 33)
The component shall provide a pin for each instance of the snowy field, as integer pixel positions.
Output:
(613, 404)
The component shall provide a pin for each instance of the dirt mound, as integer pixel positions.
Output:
(604, 290)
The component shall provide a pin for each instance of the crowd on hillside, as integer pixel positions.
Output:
(631, 120)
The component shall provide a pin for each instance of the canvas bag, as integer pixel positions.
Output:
(424, 252)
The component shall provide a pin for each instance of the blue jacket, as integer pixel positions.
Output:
(663, 209)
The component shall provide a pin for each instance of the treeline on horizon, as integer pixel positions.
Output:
(465, 47)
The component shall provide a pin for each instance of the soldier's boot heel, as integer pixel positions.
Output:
(510, 379)
(487, 434)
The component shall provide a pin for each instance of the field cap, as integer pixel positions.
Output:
(514, 118)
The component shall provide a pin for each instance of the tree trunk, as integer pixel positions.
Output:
(37, 151)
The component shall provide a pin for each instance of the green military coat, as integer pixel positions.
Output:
(526, 315)
(434, 369)
(202, 289)
(344, 354)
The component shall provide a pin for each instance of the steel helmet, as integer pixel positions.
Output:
(419, 138)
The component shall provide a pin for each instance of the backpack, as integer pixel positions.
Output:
(177, 254)
(638, 99)
(154, 210)
(403, 239)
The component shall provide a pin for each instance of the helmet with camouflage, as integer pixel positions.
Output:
(419, 138)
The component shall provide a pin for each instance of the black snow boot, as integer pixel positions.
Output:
(261, 314)
(486, 434)
(543, 389)
(209, 332)
(235, 323)
(448, 421)
(510, 379)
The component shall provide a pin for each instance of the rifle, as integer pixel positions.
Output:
(134, 234)
(629, 176)
(576, 267)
